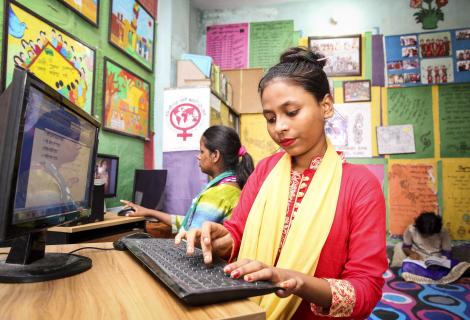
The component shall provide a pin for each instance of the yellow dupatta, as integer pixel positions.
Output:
(308, 231)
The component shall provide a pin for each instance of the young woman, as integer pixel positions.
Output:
(223, 158)
(306, 220)
(424, 239)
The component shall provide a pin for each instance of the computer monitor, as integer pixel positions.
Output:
(106, 171)
(149, 186)
(47, 153)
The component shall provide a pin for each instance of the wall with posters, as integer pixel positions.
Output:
(97, 37)
(435, 175)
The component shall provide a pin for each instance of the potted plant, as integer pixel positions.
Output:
(428, 15)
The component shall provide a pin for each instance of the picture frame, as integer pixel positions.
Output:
(56, 57)
(140, 46)
(126, 101)
(87, 10)
(343, 53)
(106, 172)
(356, 91)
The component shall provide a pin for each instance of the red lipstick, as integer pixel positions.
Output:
(286, 142)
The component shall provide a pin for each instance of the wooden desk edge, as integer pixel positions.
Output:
(110, 219)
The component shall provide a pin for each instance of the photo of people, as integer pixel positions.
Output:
(463, 66)
(410, 64)
(408, 41)
(395, 80)
(355, 91)
(462, 54)
(412, 78)
(409, 52)
(395, 65)
(435, 45)
(462, 34)
(106, 169)
(437, 71)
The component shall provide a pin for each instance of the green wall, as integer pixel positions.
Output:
(129, 150)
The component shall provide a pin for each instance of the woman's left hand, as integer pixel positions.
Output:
(252, 270)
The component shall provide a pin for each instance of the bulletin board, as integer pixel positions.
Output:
(428, 58)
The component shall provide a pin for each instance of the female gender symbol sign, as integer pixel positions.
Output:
(185, 117)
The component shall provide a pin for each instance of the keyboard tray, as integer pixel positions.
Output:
(188, 277)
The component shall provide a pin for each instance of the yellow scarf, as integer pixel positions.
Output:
(308, 231)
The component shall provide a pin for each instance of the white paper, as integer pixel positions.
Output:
(396, 139)
(185, 117)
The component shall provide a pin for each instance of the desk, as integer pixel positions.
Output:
(111, 228)
(116, 287)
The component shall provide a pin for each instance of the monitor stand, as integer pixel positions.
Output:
(28, 262)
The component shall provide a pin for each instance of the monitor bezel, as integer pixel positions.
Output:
(21, 89)
(111, 157)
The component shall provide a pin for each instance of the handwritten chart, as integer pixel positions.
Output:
(454, 119)
(456, 197)
(228, 45)
(413, 106)
(412, 190)
(268, 40)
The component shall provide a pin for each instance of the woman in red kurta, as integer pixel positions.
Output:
(306, 220)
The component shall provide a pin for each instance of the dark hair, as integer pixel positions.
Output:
(428, 223)
(227, 141)
(301, 67)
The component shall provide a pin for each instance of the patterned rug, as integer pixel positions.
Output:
(407, 300)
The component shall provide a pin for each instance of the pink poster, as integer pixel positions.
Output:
(228, 45)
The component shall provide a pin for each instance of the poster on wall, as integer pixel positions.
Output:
(132, 30)
(343, 53)
(455, 191)
(228, 45)
(186, 114)
(54, 56)
(126, 106)
(428, 58)
(87, 9)
(412, 189)
(350, 130)
(396, 139)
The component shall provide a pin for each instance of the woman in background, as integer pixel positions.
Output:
(307, 220)
(425, 239)
(223, 158)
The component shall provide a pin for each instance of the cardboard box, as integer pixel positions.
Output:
(187, 70)
(245, 97)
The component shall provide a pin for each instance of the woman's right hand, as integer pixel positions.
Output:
(212, 237)
(139, 211)
(415, 255)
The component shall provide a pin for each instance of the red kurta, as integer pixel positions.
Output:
(355, 248)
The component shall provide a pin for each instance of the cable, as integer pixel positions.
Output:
(104, 249)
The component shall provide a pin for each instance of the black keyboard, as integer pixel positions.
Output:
(188, 277)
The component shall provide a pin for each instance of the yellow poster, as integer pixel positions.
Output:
(456, 197)
(56, 58)
(254, 136)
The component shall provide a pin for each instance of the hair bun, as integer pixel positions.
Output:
(301, 54)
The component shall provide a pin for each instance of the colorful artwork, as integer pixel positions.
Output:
(51, 54)
(132, 30)
(87, 9)
(356, 91)
(427, 14)
(126, 102)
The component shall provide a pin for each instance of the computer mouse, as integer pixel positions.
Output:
(125, 211)
(119, 244)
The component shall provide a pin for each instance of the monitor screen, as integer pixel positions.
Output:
(106, 172)
(47, 153)
(55, 159)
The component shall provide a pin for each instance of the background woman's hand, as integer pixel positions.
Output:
(252, 270)
(139, 211)
(213, 238)
(415, 255)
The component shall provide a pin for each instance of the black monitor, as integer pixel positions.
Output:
(106, 172)
(47, 153)
(149, 186)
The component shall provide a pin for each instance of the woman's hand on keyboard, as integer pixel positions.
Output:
(213, 239)
(252, 270)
